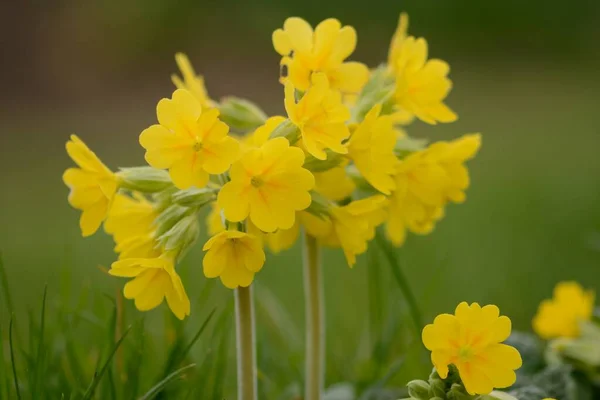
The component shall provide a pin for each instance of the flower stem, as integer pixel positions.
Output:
(245, 344)
(315, 327)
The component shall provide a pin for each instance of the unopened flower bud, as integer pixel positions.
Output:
(458, 392)
(169, 217)
(378, 89)
(418, 389)
(438, 388)
(182, 235)
(313, 164)
(144, 179)
(288, 130)
(194, 197)
(240, 114)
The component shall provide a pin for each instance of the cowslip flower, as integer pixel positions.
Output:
(191, 82)
(188, 141)
(269, 185)
(234, 257)
(320, 116)
(92, 186)
(324, 50)
(421, 84)
(154, 280)
(371, 147)
(334, 184)
(351, 226)
(471, 341)
(425, 181)
(561, 315)
(262, 134)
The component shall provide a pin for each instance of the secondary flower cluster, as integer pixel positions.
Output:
(337, 165)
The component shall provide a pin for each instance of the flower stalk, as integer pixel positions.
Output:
(315, 317)
(245, 344)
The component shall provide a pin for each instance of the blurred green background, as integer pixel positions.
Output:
(525, 75)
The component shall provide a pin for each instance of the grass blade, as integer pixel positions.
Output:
(12, 357)
(376, 306)
(161, 385)
(401, 279)
(40, 351)
(98, 376)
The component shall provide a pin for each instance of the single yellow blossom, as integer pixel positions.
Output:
(269, 185)
(324, 50)
(92, 186)
(191, 142)
(262, 134)
(234, 257)
(425, 182)
(352, 226)
(561, 315)
(471, 341)
(397, 41)
(421, 84)
(154, 280)
(371, 147)
(334, 184)
(320, 116)
(191, 82)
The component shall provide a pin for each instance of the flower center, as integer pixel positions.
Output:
(465, 353)
(197, 146)
(256, 181)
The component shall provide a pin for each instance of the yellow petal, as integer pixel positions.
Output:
(282, 42)
(300, 34)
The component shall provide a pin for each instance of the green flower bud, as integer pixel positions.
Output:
(458, 392)
(319, 206)
(406, 145)
(437, 388)
(288, 130)
(169, 217)
(497, 395)
(182, 235)
(144, 179)
(240, 114)
(313, 164)
(418, 389)
(378, 89)
(194, 198)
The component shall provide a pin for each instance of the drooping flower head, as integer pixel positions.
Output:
(421, 84)
(324, 50)
(269, 185)
(471, 340)
(561, 315)
(320, 116)
(154, 280)
(191, 82)
(234, 257)
(371, 147)
(131, 224)
(425, 182)
(93, 186)
(188, 141)
(350, 227)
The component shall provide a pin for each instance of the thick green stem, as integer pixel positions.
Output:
(315, 323)
(245, 344)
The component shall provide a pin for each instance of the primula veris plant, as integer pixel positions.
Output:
(338, 166)
(471, 341)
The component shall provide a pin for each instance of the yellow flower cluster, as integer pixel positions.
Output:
(337, 166)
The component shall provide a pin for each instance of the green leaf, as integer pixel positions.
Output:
(12, 357)
(168, 379)
(39, 364)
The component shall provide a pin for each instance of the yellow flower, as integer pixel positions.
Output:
(269, 185)
(425, 181)
(350, 227)
(131, 223)
(92, 186)
(261, 134)
(397, 41)
(371, 147)
(234, 257)
(324, 50)
(334, 184)
(192, 143)
(283, 239)
(560, 316)
(421, 84)
(191, 82)
(154, 280)
(320, 116)
(471, 341)
(214, 222)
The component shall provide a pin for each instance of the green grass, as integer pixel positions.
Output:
(531, 219)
